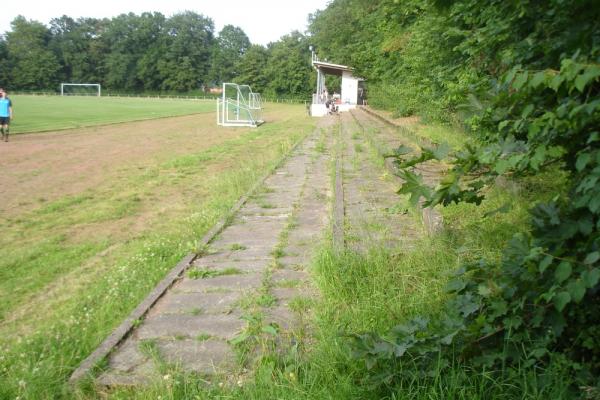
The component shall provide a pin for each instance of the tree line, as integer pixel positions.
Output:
(150, 52)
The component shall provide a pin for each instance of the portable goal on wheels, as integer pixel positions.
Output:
(80, 89)
(239, 106)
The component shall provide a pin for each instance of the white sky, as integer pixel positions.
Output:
(263, 21)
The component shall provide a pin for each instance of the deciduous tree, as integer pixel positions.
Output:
(33, 64)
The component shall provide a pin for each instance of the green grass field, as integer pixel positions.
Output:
(48, 113)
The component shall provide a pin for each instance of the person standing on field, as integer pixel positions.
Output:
(6, 114)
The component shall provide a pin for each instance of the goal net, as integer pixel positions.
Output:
(80, 89)
(239, 106)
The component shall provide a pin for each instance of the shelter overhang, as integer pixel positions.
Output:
(330, 68)
(349, 97)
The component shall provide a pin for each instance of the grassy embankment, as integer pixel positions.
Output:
(72, 268)
(46, 113)
(380, 290)
(374, 293)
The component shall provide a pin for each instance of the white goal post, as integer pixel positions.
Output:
(239, 106)
(96, 86)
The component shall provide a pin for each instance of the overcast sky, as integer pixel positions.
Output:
(263, 21)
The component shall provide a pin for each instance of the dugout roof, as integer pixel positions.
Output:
(330, 68)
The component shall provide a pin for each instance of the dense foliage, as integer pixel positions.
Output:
(525, 78)
(150, 52)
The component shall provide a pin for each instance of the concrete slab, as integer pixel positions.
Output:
(284, 276)
(249, 251)
(284, 294)
(282, 316)
(200, 308)
(207, 357)
(252, 265)
(127, 357)
(222, 326)
(116, 379)
(246, 219)
(220, 283)
(197, 303)
(261, 229)
(368, 199)
(291, 262)
(254, 209)
(287, 320)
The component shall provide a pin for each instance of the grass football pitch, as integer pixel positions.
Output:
(48, 113)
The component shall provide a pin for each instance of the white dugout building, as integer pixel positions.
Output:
(351, 94)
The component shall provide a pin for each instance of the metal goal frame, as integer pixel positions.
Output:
(239, 106)
(62, 88)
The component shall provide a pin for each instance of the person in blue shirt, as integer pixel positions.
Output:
(6, 114)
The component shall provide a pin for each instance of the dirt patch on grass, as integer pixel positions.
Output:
(38, 168)
(88, 186)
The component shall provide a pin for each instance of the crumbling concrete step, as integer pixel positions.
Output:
(370, 199)
(191, 326)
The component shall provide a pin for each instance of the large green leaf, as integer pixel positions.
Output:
(582, 160)
(520, 80)
(563, 271)
(576, 289)
(592, 257)
(545, 263)
(561, 300)
(414, 187)
(589, 75)
(592, 277)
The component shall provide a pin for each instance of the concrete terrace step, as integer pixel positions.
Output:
(256, 270)
(386, 136)
(372, 219)
(190, 327)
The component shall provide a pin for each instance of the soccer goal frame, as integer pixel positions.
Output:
(239, 106)
(96, 85)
